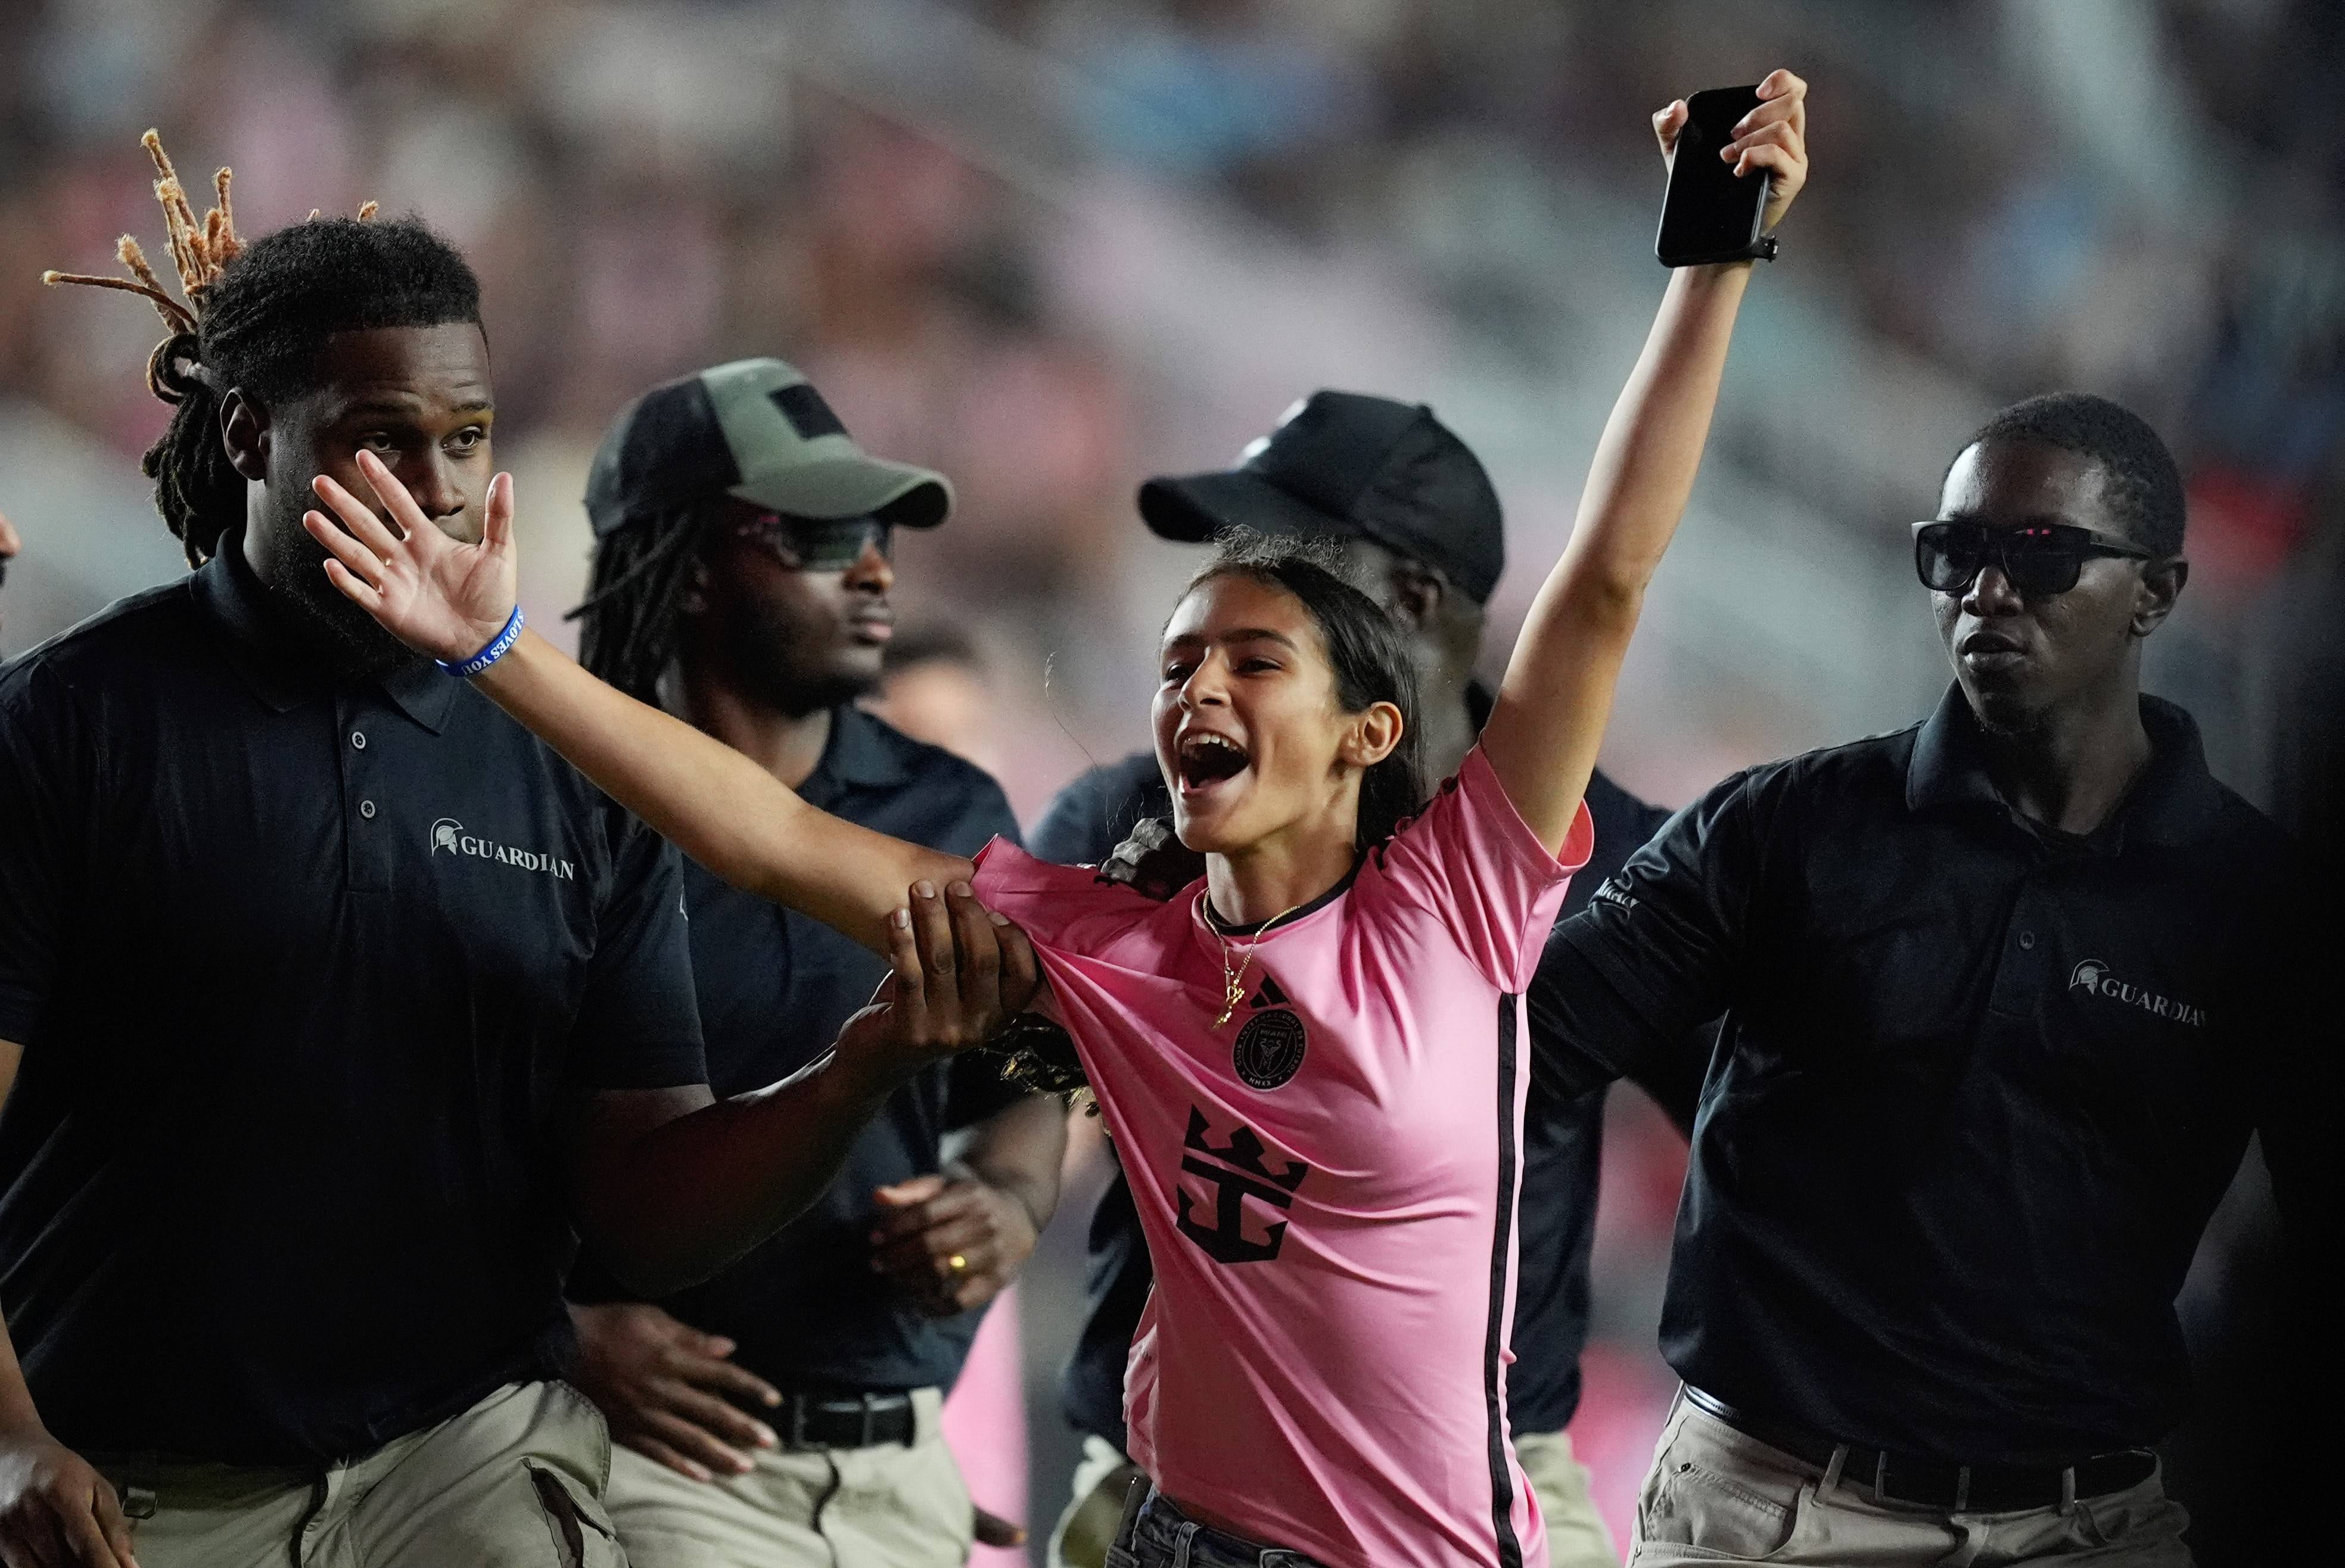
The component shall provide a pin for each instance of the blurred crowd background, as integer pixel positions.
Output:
(1054, 246)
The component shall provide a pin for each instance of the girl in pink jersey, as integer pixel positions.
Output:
(1312, 1060)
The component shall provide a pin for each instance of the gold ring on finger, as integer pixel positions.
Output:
(957, 1264)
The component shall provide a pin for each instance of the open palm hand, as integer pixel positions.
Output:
(439, 595)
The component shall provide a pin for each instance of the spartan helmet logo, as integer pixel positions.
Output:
(2088, 976)
(443, 834)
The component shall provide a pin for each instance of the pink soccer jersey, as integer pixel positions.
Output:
(1327, 1182)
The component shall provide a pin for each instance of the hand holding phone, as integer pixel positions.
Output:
(1737, 157)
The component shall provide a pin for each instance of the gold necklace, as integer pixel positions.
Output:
(1234, 983)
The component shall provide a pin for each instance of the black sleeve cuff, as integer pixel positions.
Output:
(1584, 1031)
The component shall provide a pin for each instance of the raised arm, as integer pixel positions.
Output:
(449, 598)
(1549, 720)
(711, 802)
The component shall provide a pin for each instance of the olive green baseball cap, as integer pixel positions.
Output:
(755, 430)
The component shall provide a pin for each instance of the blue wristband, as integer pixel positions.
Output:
(499, 646)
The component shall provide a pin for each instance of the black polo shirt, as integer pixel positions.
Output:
(304, 974)
(805, 1310)
(1563, 1137)
(1980, 1086)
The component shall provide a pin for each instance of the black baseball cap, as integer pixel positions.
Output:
(757, 430)
(1346, 462)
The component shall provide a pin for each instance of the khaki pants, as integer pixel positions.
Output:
(1575, 1535)
(887, 1506)
(515, 1481)
(1716, 1495)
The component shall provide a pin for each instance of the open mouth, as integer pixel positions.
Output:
(1990, 651)
(1205, 759)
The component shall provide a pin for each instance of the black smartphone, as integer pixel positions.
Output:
(1710, 213)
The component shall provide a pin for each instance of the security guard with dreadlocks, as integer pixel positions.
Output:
(331, 1001)
(784, 1413)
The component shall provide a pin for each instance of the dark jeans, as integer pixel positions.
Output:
(1155, 1534)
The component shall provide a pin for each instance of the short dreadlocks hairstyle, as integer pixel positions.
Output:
(632, 615)
(256, 316)
(2145, 485)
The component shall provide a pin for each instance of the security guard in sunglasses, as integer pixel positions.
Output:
(786, 1412)
(2006, 995)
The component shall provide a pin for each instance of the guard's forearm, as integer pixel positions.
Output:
(677, 1203)
(1020, 1150)
(17, 1412)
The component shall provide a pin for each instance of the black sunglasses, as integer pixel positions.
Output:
(812, 545)
(2037, 559)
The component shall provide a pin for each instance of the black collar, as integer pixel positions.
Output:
(283, 669)
(2175, 802)
(859, 754)
(1214, 922)
(424, 692)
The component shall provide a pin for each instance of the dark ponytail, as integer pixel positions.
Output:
(1369, 656)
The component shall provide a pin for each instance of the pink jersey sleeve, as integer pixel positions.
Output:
(1469, 857)
(1090, 935)
(1070, 907)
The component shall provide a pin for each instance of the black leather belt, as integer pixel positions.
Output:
(1935, 1482)
(843, 1421)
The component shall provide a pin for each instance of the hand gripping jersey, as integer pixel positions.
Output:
(1327, 1182)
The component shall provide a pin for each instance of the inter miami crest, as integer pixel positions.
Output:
(1269, 1049)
